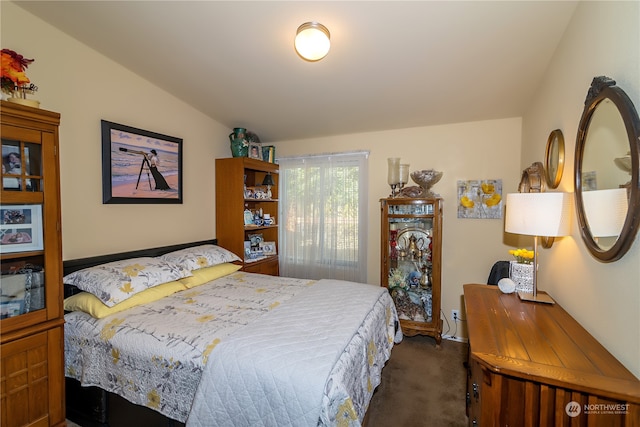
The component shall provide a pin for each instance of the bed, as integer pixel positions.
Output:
(194, 339)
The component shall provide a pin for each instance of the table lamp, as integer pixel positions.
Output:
(268, 181)
(538, 215)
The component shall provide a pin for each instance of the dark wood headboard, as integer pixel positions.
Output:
(78, 264)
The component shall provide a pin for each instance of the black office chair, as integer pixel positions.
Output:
(499, 271)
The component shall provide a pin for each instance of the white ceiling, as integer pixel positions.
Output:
(392, 64)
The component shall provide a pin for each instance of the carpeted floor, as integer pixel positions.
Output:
(422, 386)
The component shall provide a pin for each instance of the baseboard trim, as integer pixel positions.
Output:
(454, 338)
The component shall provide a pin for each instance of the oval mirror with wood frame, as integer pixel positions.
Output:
(606, 176)
(554, 158)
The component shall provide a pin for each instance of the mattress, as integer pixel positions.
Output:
(156, 355)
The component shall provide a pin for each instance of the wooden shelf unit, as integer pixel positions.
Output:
(231, 176)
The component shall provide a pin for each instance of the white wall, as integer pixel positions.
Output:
(463, 151)
(85, 87)
(603, 38)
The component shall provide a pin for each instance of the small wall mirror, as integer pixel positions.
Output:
(554, 158)
(607, 171)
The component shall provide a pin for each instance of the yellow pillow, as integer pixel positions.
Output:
(90, 304)
(208, 274)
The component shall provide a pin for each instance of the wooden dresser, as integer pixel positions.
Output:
(532, 364)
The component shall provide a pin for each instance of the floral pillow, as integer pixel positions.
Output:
(199, 257)
(117, 281)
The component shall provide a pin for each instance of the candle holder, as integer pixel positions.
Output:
(403, 176)
(394, 190)
(393, 175)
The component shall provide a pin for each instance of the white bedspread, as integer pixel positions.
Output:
(156, 354)
(275, 372)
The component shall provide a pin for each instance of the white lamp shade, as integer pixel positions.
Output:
(312, 41)
(605, 211)
(539, 214)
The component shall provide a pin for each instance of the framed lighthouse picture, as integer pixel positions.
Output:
(139, 166)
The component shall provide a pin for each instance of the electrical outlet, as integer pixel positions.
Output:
(455, 315)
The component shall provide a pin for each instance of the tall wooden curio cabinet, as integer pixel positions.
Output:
(247, 210)
(31, 316)
(411, 238)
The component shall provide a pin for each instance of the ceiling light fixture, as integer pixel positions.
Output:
(312, 41)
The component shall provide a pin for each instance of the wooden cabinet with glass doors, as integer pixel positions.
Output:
(31, 313)
(411, 238)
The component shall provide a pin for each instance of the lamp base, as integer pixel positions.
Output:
(544, 298)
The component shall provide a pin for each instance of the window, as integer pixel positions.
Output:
(323, 226)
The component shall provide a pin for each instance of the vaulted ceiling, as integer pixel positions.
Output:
(392, 64)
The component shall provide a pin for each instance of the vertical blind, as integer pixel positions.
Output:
(323, 216)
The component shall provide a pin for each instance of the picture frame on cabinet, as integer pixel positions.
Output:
(268, 248)
(12, 165)
(21, 228)
(255, 239)
(255, 151)
(269, 153)
(139, 166)
(252, 250)
(248, 217)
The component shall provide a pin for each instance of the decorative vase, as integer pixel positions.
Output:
(19, 96)
(522, 276)
(239, 143)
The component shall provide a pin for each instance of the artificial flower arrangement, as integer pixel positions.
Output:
(523, 256)
(397, 279)
(14, 80)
